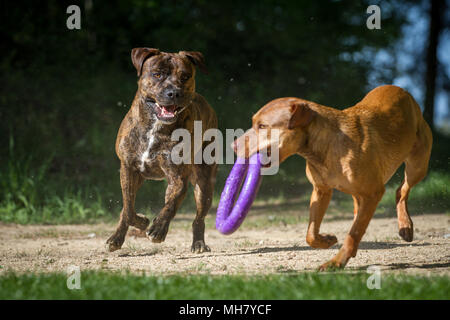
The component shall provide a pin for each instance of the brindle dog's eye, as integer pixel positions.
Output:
(157, 75)
(185, 77)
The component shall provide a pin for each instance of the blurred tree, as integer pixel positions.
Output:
(436, 26)
(256, 51)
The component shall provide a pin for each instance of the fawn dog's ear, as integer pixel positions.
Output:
(196, 59)
(301, 115)
(139, 55)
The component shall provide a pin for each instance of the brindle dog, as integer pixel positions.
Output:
(165, 100)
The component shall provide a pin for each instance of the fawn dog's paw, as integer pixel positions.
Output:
(338, 262)
(407, 234)
(322, 241)
(331, 265)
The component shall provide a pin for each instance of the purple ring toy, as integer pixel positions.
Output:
(227, 222)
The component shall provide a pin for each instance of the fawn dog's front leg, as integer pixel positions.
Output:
(366, 208)
(320, 198)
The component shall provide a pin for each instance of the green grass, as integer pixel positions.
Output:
(27, 200)
(29, 195)
(430, 195)
(102, 285)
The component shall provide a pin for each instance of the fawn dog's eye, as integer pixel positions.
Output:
(262, 126)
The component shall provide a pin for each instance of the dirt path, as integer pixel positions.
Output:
(274, 248)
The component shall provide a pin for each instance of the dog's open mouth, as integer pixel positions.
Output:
(166, 113)
(266, 160)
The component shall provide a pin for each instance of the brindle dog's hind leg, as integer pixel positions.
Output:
(204, 180)
(130, 181)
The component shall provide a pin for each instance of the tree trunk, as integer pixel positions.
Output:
(435, 27)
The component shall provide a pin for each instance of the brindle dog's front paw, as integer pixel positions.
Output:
(158, 231)
(140, 221)
(199, 246)
(115, 241)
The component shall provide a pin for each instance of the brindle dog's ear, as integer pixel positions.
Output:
(139, 55)
(196, 58)
(301, 115)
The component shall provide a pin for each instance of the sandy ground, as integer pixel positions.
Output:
(273, 248)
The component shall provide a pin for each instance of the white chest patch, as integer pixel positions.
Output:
(151, 141)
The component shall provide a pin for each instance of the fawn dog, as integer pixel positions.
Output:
(355, 150)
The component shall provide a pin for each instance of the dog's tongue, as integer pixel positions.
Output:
(168, 111)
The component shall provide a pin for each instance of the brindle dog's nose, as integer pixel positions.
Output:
(173, 93)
